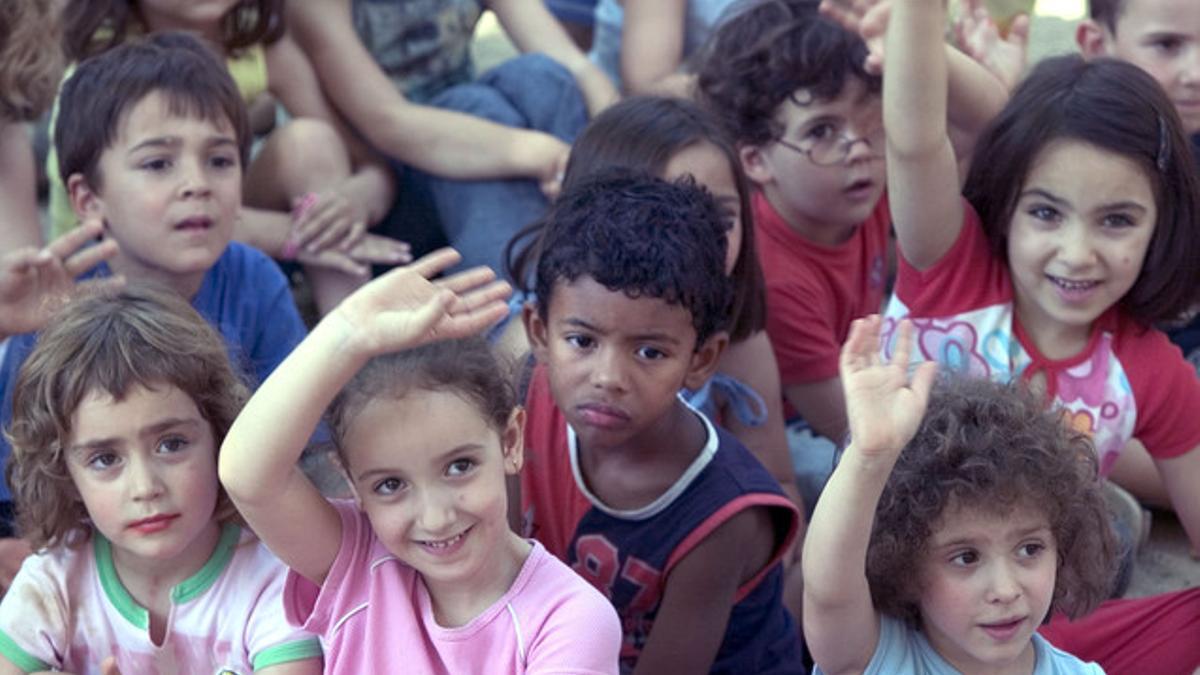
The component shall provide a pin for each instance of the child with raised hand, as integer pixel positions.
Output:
(639, 492)
(313, 191)
(1076, 236)
(423, 572)
(118, 416)
(953, 523)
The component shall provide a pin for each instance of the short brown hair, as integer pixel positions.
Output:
(95, 26)
(1106, 13)
(108, 341)
(30, 65)
(995, 447)
(103, 89)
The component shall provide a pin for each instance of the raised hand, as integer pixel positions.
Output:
(884, 406)
(1002, 53)
(405, 308)
(35, 283)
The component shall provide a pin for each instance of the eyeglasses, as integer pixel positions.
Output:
(834, 147)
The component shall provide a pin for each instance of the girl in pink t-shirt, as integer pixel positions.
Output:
(421, 572)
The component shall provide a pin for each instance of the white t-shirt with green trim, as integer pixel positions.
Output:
(67, 610)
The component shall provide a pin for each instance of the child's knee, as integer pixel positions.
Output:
(314, 145)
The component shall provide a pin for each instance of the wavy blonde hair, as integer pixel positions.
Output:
(31, 57)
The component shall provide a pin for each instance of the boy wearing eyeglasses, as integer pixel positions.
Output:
(792, 89)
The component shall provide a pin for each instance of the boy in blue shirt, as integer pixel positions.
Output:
(152, 138)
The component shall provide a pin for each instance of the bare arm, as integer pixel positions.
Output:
(534, 29)
(1181, 475)
(822, 406)
(699, 595)
(884, 409)
(18, 193)
(652, 42)
(441, 142)
(399, 310)
(922, 172)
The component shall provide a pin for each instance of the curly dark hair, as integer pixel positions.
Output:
(1117, 107)
(995, 447)
(760, 56)
(466, 367)
(108, 341)
(643, 236)
(644, 133)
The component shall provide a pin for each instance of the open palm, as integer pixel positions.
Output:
(405, 308)
(883, 406)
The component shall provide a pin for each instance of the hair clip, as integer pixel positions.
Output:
(1164, 149)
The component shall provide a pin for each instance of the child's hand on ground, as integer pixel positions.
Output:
(404, 308)
(866, 18)
(371, 249)
(979, 37)
(34, 283)
(327, 220)
(883, 406)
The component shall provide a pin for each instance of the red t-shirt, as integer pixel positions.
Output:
(815, 291)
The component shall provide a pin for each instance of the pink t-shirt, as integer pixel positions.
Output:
(374, 615)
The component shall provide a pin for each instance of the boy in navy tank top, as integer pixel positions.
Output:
(671, 518)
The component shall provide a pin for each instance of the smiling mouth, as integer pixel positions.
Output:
(1072, 285)
(443, 545)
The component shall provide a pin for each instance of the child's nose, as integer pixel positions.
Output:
(609, 370)
(194, 180)
(1075, 245)
(1003, 586)
(436, 512)
(144, 482)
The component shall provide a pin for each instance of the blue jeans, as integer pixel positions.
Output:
(479, 217)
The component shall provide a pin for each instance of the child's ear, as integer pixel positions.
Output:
(755, 164)
(85, 200)
(535, 330)
(705, 360)
(1092, 39)
(512, 442)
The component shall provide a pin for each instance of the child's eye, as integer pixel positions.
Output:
(460, 467)
(1118, 220)
(158, 164)
(1031, 549)
(223, 162)
(103, 460)
(965, 559)
(821, 132)
(1045, 213)
(172, 444)
(580, 341)
(388, 486)
(650, 353)
(1168, 46)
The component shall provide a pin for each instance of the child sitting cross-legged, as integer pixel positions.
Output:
(118, 414)
(420, 573)
(945, 537)
(670, 517)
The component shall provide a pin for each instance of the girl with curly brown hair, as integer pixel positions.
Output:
(959, 516)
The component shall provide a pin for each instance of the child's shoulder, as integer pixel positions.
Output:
(1053, 661)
